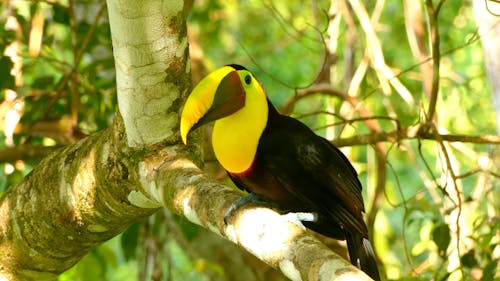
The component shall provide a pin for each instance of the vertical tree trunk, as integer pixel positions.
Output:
(151, 54)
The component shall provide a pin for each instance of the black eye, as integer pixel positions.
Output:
(248, 79)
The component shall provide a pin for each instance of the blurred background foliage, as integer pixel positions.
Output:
(345, 68)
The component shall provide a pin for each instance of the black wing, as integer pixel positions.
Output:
(317, 173)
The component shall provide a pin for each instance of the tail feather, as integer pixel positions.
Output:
(362, 255)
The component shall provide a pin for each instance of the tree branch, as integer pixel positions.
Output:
(433, 13)
(75, 199)
(413, 132)
(376, 136)
(151, 56)
(263, 232)
(326, 89)
(374, 50)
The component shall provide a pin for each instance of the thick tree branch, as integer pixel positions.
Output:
(263, 232)
(72, 201)
(150, 50)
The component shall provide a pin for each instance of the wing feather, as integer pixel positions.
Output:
(317, 173)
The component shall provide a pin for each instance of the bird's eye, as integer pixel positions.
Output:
(248, 79)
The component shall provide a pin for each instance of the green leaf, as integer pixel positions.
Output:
(445, 277)
(43, 82)
(490, 270)
(129, 240)
(469, 259)
(6, 79)
(60, 14)
(441, 236)
(89, 268)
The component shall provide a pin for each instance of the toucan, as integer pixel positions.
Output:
(278, 159)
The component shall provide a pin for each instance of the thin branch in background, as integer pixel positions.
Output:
(319, 112)
(258, 65)
(415, 33)
(426, 164)
(326, 89)
(494, 174)
(323, 88)
(376, 198)
(74, 99)
(476, 171)
(70, 77)
(26, 152)
(284, 83)
(433, 26)
(383, 71)
(74, 68)
(287, 24)
(345, 121)
(405, 213)
(488, 7)
(284, 23)
(471, 40)
(458, 205)
(412, 132)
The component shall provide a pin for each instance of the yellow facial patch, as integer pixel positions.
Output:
(200, 100)
(236, 137)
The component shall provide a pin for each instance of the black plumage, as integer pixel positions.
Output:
(279, 160)
(303, 172)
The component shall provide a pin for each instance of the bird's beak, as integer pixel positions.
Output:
(218, 95)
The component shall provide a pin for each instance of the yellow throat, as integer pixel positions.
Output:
(235, 137)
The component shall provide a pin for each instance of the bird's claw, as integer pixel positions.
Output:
(250, 198)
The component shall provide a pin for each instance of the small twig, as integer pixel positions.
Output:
(67, 76)
(457, 204)
(353, 120)
(488, 7)
(326, 89)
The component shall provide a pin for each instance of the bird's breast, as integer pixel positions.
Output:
(261, 182)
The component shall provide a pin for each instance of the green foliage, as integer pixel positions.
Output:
(7, 79)
(441, 237)
(103, 263)
(129, 241)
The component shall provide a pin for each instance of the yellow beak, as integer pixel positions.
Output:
(218, 95)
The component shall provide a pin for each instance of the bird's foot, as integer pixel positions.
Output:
(251, 198)
(299, 217)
